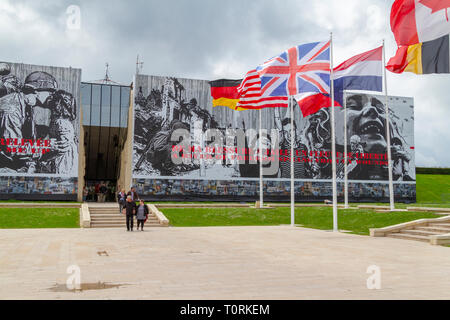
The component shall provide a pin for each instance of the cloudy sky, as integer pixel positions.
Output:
(210, 39)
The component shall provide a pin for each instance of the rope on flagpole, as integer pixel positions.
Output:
(345, 153)
(333, 140)
(388, 136)
(291, 105)
(261, 187)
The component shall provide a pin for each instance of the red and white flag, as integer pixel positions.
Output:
(416, 21)
(250, 94)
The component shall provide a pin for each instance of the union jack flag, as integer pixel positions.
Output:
(305, 68)
(302, 71)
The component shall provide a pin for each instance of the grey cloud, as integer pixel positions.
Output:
(191, 38)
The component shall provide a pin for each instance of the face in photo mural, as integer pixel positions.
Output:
(366, 134)
(366, 131)
(37, 124)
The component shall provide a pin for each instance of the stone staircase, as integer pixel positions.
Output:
(422, 232)
(435, 231)
(108, 216)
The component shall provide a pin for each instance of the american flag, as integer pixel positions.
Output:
(250, 94)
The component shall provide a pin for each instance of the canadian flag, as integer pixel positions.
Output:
(415, 21)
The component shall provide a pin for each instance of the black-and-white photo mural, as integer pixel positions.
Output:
(219, 154)
(39, 121)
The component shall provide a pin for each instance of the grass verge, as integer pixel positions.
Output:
(21, 218)
(355, 221)
(433, 189)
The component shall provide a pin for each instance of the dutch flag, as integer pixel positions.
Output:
(361, 72)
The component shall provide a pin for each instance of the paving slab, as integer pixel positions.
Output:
(279, 262)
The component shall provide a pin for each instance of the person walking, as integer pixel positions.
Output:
(134, 195)
(85, 193)
(141, 214)
(121, 198)
(130, 210)
(97, 191)
(103, 191)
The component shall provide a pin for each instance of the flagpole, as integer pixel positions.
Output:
(388, 136)
(291, 105)
(333, 140)
(345, 153)
(261, 187)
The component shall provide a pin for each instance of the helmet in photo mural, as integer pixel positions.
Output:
(40, 80)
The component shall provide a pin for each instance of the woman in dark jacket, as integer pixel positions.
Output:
(121, 198)
(141, 214)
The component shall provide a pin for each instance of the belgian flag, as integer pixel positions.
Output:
(224, 93)
(422, 58)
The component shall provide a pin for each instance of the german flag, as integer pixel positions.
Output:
(422, 58)
(224, 93)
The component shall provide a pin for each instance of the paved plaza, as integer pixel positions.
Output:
(278, 262)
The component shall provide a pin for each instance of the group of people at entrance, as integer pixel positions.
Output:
(127, 206)
(102, 191)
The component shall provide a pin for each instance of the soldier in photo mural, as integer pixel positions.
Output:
(400, 161)
(157, 116)
(37, 110)
(316, 137)
(63, 154)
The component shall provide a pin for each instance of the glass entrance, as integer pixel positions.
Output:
(105, 118)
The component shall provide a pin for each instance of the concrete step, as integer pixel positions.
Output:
(109, 217)
(419, 232)
(115, 215)
(401, 235)
(440, 225)
(124, 226)
(103, 207)
(120, 221)
(428, 209)
(105, 211)
(101, 223)
(118, 218)
(434, 229)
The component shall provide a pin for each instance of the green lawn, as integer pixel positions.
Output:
(356, 221)
(35, 201)
(433, 189)
(21, 218)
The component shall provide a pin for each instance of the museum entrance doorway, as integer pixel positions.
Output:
(105, 117)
